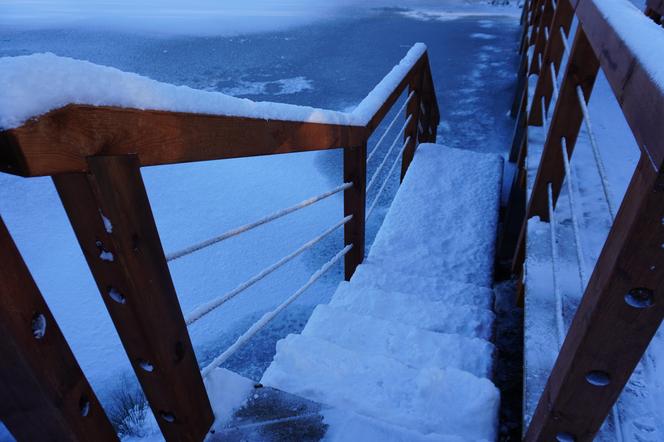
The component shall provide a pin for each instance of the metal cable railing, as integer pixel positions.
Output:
(389, 173)
(374, 177)
(203, 309)
(554, 264)
(261, 323)
(389, 127)
(260, 222)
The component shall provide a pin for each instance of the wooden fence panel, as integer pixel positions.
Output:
(622, 308)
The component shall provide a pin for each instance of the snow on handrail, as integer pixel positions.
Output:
(242, 229)
(554, 265)
(563, 37)
(387, 155)
(382, 187)
(373, 102)
(596, 153)
(203, 309)
(269, 316)
(389, 127)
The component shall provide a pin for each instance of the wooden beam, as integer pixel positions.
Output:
(61, 140)
(640, 96)
(355, 171)
(111, 216)
(45, 395)
(622, 308)
(553, 53)
(411, 133)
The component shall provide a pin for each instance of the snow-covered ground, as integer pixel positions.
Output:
(638, 414)
(330, 62)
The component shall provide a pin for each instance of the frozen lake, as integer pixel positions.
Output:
(331, 64)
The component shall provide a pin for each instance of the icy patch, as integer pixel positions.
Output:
(228, 391)
(284, 86)
(482, 36)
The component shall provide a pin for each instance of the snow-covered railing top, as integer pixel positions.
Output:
(630, 48)
(55, 111)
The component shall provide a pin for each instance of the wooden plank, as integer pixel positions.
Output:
(111, 216)
(622, 308)
(640, 96)
(60, 141)
(553, 53)
(45, 395)
(355, 171)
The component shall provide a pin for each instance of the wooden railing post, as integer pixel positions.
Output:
(111, 216)
(620, 312)
(45, 395)
(412, 129)
(355, 171)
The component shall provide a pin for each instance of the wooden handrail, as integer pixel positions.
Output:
(61, 140)
(94, 154)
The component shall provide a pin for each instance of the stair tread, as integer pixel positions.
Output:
(409, 308)
(430, 230)
(368, 276)
(413, 346)
(425, 400)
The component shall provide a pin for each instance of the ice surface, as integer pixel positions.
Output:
(408, 344)
(451, 209)
(427, 400)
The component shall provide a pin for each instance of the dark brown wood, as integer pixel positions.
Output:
(640, 96)
(355, 171)
(45, 395)
(621, 310)
(540, 38)
(411, 133)
(111, 216)
(553, 53)
(655, 10)
(60, 141)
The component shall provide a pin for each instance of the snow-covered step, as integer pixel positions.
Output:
(444, 218)
(414, 309)
(371, 276)
(430, 400)
(410, 345)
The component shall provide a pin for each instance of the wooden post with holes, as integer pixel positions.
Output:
(411, 133)
(566, 122)
(355, 171)
(622, 308)
(111, 216)
(45, 395)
